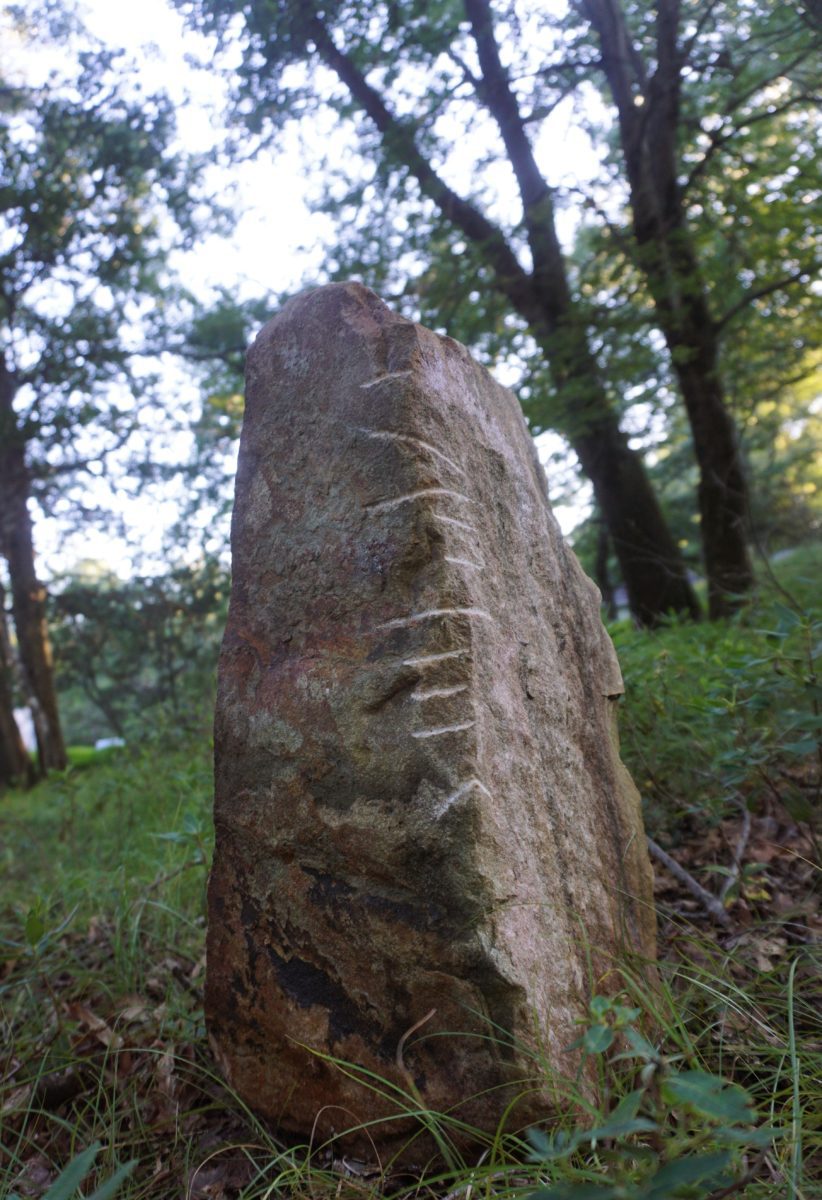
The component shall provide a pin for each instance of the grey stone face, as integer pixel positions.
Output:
(420, 808)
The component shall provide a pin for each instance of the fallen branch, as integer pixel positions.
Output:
(708, 901)
(739, 851)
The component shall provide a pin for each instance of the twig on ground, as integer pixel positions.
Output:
(739, 851)
(708, 901)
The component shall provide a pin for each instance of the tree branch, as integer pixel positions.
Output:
(757, 294)
(537, 204)
(723, 135)
(685, 55)
(399, 139)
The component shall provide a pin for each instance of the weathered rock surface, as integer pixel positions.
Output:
(419, 800)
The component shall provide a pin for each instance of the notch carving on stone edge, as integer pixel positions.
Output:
(463, 562)
(425, 660)
(378, 505)
(384, 378)
(388, 436)
(442, 729)
(413, 618)
(453, 521)
(464, 788)
(436, 693)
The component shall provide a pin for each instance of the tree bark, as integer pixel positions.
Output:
(602, 575)
(653, 569)
(648, 111)
(28, 596)
(15, 765)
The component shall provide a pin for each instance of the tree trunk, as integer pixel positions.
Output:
(15, 765)
(648, 109)
(28, 596)
(723, 486)
(650, 562)
(652, 568)
(690, 334)
(602, 575)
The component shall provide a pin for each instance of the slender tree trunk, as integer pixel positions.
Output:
(602, 574)
(15, 765)
(724, 504)
(28, 596)
(648, 110)
(723, 486)
(651, 564)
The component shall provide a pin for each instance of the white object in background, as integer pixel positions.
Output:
(25, 723)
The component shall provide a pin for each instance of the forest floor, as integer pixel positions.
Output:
(105, 1068)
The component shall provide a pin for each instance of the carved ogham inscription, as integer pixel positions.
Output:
(439, 493)
(422, 823)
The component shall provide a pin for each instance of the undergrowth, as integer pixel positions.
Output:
(728, 714)
(708, 1068)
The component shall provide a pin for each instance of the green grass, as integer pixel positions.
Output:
(712, 1071)
(89, 839)
(85, 756)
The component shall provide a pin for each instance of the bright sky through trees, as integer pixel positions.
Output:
(277, 244)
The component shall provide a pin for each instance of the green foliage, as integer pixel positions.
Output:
(728, 714)
(138, 652)
(93, 200)
(680, 1132)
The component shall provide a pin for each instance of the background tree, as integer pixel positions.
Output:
(92, 200)
(748, 181)
(398, 72)
(676, 75)
(15, 764)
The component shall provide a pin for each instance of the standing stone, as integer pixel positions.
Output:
(420, 808)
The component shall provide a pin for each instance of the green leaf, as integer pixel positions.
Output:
(557, 1145)
(640, 1046)
(600, 1005)
(577, 1191)
(597, 1039)
(622, 1129)
(800, 748)
(69, 1179)
(34, 927)
(67, 1183)
(624, 1015)
(624, 1120)
(709, 1095)
(111, 1186)
(750, 1137)
(693, 1169)
(788, 617)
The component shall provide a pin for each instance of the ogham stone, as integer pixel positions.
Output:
(420, 808)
